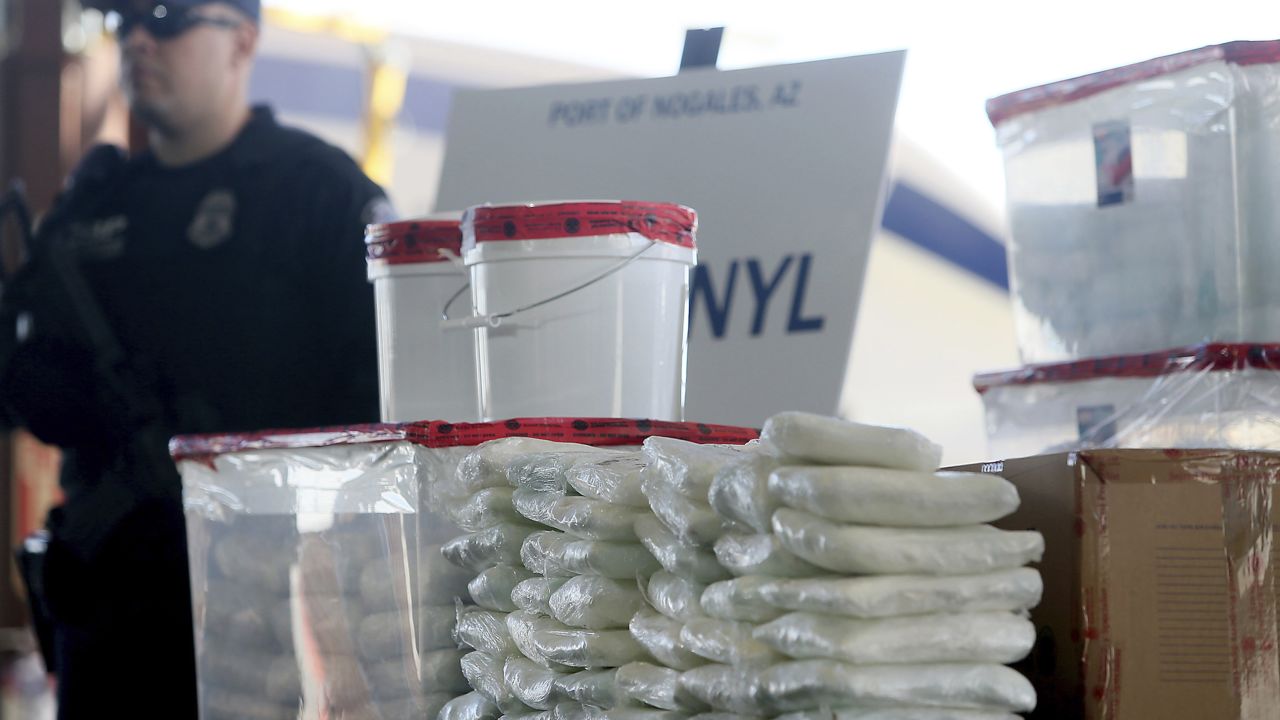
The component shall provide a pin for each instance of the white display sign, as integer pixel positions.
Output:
(785, 166)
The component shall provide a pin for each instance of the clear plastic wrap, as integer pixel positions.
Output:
(472, 706)
(739, 599)
(992, 637)
(486, 508)
(688, 468)
(660, 637)
(723, 716)
(632, 713)
(761, 554)
(522, 625)
(335, 535)
(596, 603)
(492, 588)
(675, 597)
(727, 642)
(389, 634)
(578, 516)
(545, 470)
(534, 595)
(616, 479)
(542, 715)
(899, 713)
(486, 631)
(812, 684)
(876, 496)
(1177, 156)
(575, 647)
(688, 561)
(725, 688)
(597, 688)
(531, 683)
(825, 440)
(553, 553)
(860, 549)
(437, 582)
(1013, 590)
(570, 711)
(487, 465)
(691, 520)
(1205, 396)
(656, 686)
(485, 674)
(740, 491)
(478, 551)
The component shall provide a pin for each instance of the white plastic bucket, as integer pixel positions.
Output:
(424, 373)
(582, 308)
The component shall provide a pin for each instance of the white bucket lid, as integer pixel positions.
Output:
(667, 224)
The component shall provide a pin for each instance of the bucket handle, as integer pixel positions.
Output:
(494, 320)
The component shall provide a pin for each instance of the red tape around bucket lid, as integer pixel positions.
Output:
(413, 241)
(660, 222)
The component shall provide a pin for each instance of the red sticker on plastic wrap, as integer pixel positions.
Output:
(599, 432)
(660, 222)
(413, 241)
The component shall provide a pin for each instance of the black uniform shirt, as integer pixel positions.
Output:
(237, 284)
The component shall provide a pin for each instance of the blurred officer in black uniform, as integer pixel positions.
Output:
(228, 262)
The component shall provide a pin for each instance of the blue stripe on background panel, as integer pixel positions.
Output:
(337, 92)
(933, 226)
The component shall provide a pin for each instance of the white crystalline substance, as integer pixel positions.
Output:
(585, 648)
(675, 597)
(761, 554)
(687, 561)
(656, 686)
(485, 630)
(876, 496)
(472, 706)
(991, 637)
(590, 687)
(531, 683)
(740, 491)
(486, 508)
(616, 480)
(739, 599)
(660, 636)
(596, 603)
(534, 594)
(522, 625)
(484, 673)
(799, 436)
(889, 596)
(578, 516)
(492, 588)
(862, 549)
(478, 551)
(691, 520)
(811, 684)
(725, 688)
(728, 642)
(554, 553)
(688, 468)
(900, 713)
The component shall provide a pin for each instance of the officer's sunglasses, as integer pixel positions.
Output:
(164, 22)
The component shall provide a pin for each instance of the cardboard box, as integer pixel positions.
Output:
(1159, 597)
